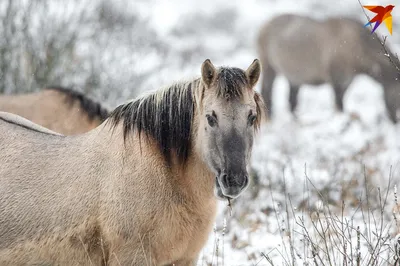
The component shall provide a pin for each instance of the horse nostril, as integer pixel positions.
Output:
(224, 179)
(245, 182)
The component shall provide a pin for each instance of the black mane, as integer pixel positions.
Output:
(93, 109)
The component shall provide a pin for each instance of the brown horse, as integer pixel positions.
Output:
(60, 109)
(307, 51)
(141, 188)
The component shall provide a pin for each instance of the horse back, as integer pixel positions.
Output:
(23, 123)
(51, 109)
(289, 42)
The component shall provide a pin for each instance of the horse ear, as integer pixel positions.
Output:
(208, 72)
(253, 72)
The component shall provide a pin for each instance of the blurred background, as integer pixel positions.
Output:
(115, 50)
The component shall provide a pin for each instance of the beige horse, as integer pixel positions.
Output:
(307, 51)
(60, 109)
(141, 188)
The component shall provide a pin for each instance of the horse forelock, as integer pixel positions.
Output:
(92, 108)
(231, 82)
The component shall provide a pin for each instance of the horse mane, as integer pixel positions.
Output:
(92, 108)
(167, 114)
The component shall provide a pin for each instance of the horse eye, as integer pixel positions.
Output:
(252, 119)
(212, 121)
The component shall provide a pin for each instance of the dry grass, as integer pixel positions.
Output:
(323, 234)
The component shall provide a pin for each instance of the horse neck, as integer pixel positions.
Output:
(196, 179)
(193, 179)
(387, 73)
(199, 176)
(377, 64)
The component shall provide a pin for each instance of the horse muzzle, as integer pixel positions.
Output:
(230, 186)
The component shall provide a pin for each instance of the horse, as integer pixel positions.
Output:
(60, 109)
(313, 52)
(139, 189)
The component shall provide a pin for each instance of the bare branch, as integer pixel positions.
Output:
(383, 42)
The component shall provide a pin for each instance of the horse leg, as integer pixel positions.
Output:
(293, 95)
(339, 94)
(341, 79)
(268, 78)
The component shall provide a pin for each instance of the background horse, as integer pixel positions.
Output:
(140, 189)
(307, 51)
(60, 109)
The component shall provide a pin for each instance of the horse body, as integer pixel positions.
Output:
(99, 197)
(114, 195)
(289, 40)
(334, 51)
(22, 244)
(59, 109)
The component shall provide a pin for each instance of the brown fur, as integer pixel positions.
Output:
(59, 109)
(108, 198)
(307, 51)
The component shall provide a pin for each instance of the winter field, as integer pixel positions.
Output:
(324, 188)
